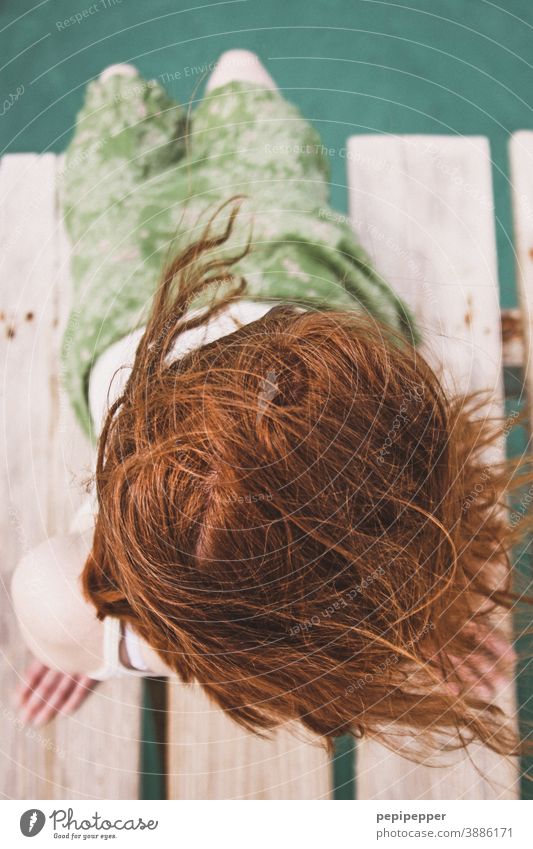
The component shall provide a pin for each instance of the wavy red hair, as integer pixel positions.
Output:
(299, 517)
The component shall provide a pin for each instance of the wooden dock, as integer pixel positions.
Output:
(423, 207)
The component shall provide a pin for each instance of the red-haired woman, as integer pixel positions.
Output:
(287, 506)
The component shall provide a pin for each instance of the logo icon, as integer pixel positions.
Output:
(32, 822)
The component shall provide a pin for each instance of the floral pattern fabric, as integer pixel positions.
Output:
(142, 176)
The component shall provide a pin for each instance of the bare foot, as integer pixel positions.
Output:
(46, 692)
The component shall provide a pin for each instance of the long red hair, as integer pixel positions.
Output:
(299, 517)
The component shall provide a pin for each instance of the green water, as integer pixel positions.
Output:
(423, 66)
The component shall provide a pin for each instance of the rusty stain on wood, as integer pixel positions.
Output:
(530, 253)
(512, 327)
(29, 316)
(468, 313)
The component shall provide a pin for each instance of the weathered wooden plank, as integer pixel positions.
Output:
(423, 208)
(103, 737)
(94, 753)
(211, 757)
(27, 222)
(521, 165)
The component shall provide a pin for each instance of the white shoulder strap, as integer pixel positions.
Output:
(112, 667)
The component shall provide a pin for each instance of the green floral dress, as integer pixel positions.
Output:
(140, 180)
